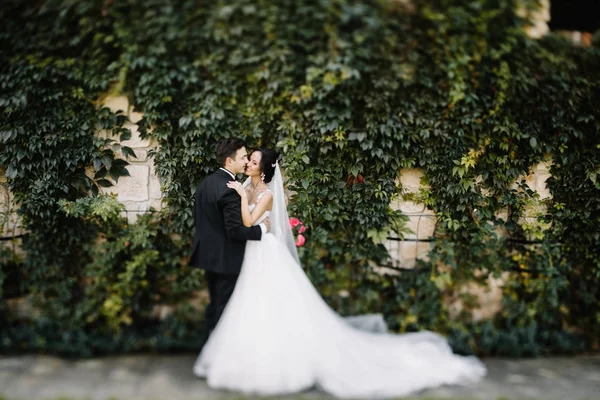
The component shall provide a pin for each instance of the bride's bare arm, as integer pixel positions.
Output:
(265, 203)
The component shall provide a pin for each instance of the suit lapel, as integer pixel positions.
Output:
(225, 175)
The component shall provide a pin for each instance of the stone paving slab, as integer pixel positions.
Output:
(169, 377)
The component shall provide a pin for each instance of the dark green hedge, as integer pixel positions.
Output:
(350, 93)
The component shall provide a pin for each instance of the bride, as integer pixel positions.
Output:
(278, 336)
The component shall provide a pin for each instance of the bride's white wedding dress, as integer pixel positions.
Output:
(278, 336)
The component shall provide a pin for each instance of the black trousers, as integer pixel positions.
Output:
(220, 288)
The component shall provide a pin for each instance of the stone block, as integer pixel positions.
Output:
(503, 214)
(156, 204)
(488, 296)
(530, 180)
(136, 206)
(134, 187)
(104, 134)
(5, 203)
(541, 178)
(410, 207)
(134, 116)
(152, 166)
(537, 30)
(425, 226)
(161, 311)
(539, 19)
(406, 253)
(410, 178)
(22, 308)
(155, 192)
(544, 166)
(136, 141)
(117, 103)
(141, 154)
(133, 209)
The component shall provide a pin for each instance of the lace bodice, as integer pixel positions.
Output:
(253, 205)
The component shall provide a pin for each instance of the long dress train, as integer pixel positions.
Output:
(278, 336)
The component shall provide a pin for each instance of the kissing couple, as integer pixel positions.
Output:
(267, 329)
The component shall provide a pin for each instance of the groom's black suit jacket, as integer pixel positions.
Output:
(220, 237)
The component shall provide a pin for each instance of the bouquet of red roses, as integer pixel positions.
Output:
(298, 228)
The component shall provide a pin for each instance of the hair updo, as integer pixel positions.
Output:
(267, 163)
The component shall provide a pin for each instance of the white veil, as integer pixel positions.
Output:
(280, 225)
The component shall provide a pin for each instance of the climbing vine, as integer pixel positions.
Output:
(349, 93)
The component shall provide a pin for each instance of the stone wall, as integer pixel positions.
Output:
(539, 18)
(422, 220)
(11, 228)
(140, 191)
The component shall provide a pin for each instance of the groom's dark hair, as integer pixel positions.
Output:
(227, 148)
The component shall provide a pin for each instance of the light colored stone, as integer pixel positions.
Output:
(21, 308)
(134, 116)
(141, 156)
(530, 180)
(155, 204)
(136, 206)
(502, 214)
(410, 178)
(422, 225)
(133, 209)
(134, 187)
(155, 192)
(426, 226)
(410, 207)
(152, 166)
(539, 19)
(404, 254)
(117, 103)
(5, 203)
(136, 141)
(170, 377)
(489, 298)
(544, 166)
(104, 134)
(541, 178)
(161, 311)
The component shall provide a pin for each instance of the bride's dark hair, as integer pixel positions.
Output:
(267, 163)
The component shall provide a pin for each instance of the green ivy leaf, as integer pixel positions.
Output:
(104, 182)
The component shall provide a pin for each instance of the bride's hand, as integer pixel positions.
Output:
(237, 187)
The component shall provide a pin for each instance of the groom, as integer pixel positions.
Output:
(220, 237)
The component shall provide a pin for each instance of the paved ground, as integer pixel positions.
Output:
(163, 377)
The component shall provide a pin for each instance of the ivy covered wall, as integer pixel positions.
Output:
(350, 93)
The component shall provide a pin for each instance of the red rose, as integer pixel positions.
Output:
(294, 222)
